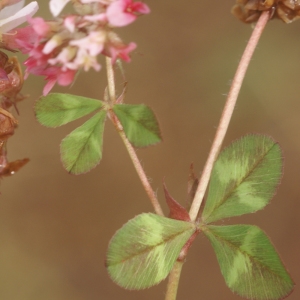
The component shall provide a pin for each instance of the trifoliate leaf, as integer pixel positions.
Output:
(144, 250)
(244, 178)
(55, 110)
(81, 150)
(249, 263)
(139, 123)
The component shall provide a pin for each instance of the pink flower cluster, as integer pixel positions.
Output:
(58, 49)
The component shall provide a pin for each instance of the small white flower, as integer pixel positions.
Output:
(101, 1)
(83, 59)
(14, 15)
(10, 9)
(56, 6)
(54, 42)
(64, 57)
(93, 43)
(70, 24)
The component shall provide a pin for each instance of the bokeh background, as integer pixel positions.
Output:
(55, 228)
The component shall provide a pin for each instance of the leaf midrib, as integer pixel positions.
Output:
(81, 150)
(149, 248)
(231, 245)
(243, 179)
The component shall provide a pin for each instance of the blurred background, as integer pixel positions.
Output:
(55, 228)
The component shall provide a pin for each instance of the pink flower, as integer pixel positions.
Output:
(122, 52)
(55, 74)
(57, 49)
(38, 64)
(123, 12)
(23, 39)
(115, 48)
(40, 27)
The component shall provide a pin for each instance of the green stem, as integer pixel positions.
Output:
(227, 113)
(131, 151)
(174, 281)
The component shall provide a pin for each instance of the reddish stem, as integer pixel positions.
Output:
(227, 113)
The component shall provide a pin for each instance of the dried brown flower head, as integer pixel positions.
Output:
(249, 11)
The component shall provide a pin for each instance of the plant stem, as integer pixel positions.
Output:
(141, 173)
(227, 112)
(132, 153)
(218, 140)
(110, 80)
(174, 281)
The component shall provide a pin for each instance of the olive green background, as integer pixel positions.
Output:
(55, 228)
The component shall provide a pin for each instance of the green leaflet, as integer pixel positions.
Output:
(81, 150)
(55, 110)
(144, 250)
(244, 178)
(139, 123)
(249, 263)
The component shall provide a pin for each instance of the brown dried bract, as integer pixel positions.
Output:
(249, 11)
(7, 127)
(12, 167)
(7, 124)
(11, 82)
(11, 79)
